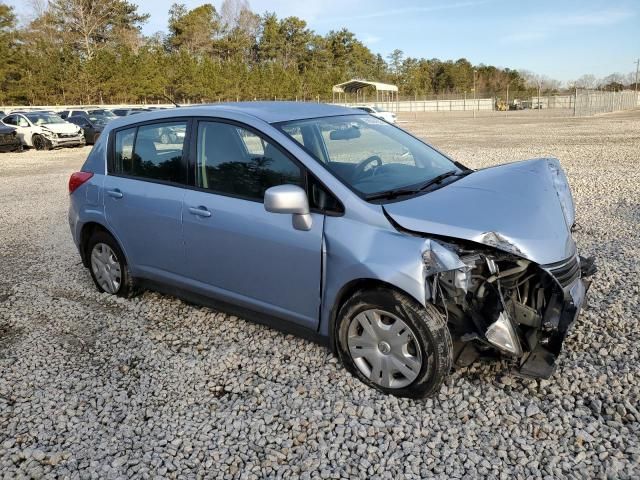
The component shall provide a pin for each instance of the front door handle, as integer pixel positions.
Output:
(200, 211)
(115, 193)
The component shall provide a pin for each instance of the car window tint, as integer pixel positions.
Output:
(252, 142)
(150, 153)
(124, 151)
(10, 120)
(236, 161)
(321, 199)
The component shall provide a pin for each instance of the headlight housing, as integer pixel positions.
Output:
(563, 190)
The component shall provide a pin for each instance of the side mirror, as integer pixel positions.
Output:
(289, 199)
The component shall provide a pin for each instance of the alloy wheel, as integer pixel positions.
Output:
(384, 348)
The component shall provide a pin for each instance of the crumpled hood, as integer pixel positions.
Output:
(512, 207)
(60, 127)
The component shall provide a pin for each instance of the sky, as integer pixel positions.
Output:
(562, 39)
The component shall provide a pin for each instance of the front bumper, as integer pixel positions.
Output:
(11, 146)
(57, 142)
(561, 316)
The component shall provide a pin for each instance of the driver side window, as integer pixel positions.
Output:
(235, 161)
(22, 122)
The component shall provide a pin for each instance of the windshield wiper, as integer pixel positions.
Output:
(390, 194)
(438, 179)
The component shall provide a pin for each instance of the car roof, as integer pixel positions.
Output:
(270, 112)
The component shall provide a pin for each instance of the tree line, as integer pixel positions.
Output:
(93, 51)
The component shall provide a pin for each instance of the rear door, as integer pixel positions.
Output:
(235, 248)
(143, 194)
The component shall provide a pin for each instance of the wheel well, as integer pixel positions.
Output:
(346, 292)
(88, 229)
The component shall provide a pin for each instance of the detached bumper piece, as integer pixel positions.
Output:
(558, 320)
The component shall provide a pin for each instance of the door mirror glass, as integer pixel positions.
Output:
(289, 199)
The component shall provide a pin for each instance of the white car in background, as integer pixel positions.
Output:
(44, 130)
(386, 116)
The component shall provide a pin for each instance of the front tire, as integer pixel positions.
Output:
(108, 267)
(40, 143)
(393, 344)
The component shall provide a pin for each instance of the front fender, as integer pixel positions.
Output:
(358, 251)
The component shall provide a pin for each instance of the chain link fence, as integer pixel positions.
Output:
(577, 103)
(591, 102)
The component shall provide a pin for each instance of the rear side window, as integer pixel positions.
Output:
(10, 120)
(236, 161)
(151, 151)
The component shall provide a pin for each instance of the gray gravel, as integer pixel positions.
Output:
(93, 386)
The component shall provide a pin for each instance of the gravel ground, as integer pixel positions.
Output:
(94, 386)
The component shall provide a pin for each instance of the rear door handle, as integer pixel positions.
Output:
(200, 211)
(116, 193)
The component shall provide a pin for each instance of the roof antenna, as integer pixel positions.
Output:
(167, 97)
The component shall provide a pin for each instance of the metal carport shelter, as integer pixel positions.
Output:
(384, 91)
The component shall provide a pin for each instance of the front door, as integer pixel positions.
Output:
(241, 252)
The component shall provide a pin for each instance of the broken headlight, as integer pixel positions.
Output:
(49, 134)
(561, 185)
(502, 334)
(438, 258)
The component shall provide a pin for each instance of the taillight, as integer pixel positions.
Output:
(77, 179)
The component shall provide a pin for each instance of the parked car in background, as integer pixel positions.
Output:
(9, 141)
(320, 220)
(386, 116)
(123, 112)
(92, 128)
(44, 130)
(169, 135)
(103, 114)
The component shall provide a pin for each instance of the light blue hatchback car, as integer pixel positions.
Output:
(335, 225)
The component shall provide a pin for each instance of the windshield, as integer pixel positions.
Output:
(368, 154)
(106, 114)
(99, 119)
(44, 118)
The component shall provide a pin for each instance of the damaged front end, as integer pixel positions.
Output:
(499, 303)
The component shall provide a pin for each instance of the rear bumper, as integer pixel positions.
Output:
(560, 318)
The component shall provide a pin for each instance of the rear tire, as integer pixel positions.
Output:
(392, 343)
(107, 265)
